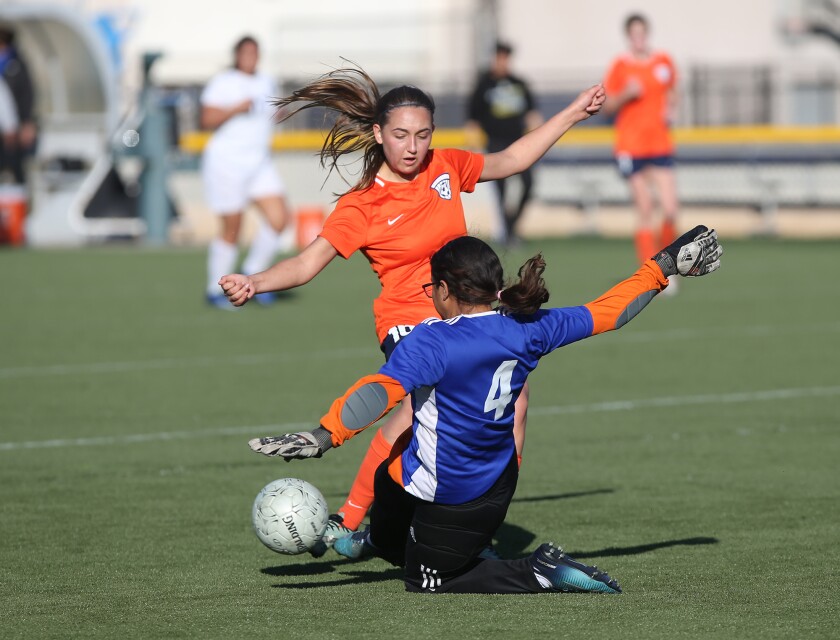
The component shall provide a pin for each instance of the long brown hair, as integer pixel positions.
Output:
(353, 96)
(474, 274)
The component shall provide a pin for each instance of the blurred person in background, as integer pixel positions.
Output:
(237, 168)
(8, 115)
(16, 147)
(405, 205)
(503, 107)
(641, 92)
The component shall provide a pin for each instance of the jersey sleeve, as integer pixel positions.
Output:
(625, 300)
(558, 327)
(419, 360)
(216, 93)
(361, 405)
(469, 166)
(555, 328)
(346, 229)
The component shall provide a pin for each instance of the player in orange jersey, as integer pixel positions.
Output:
(641, 92)
(405, 206)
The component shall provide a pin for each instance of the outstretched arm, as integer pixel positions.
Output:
(695, 253)
(625, 300)
(533, 145)
(362, 405)
(286, 274)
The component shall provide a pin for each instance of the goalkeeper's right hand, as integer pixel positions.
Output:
(695, 253)
(304, 444)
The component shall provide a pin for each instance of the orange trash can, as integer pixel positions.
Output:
(310, 221)
(12, 214)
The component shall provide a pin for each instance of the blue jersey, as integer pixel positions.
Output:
(464, 375)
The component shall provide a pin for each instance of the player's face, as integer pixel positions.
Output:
(247, 57)
(501, 64)
(405, 138)
(637, 34)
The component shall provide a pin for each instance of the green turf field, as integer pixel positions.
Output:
(693, 454)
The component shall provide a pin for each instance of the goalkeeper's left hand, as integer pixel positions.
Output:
(304, 444)
(695, 253)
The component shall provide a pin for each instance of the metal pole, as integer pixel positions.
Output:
(154, 202)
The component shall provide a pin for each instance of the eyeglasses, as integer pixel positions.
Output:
(429, 288)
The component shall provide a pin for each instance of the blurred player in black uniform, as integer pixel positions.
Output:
(503, 107)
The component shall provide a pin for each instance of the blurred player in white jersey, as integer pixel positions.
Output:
(237, 168)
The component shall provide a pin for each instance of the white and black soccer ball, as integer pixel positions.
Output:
(289, 516)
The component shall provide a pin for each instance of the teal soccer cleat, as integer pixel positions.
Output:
(335, 530)
(354, 546)
(556, 571)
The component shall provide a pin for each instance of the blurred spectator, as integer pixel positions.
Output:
(237, 167)
(21, 143)
(641, 91)
(8, 114)
(503, 107)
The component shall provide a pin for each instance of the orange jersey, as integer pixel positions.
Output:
(641, 126)
(398, 226)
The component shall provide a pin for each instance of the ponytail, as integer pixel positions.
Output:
(526, 296)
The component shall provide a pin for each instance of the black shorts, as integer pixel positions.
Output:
(439, 544)
(628, 165)
(395, 334)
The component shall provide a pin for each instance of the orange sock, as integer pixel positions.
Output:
(361, 493)
(668, 233)
(645, 245)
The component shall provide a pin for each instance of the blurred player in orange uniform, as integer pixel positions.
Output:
(641, 92)
(404, 207)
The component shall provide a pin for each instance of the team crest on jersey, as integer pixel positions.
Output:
(662, 72)
(441, 185)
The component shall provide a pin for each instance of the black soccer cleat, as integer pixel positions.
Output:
(556, 571)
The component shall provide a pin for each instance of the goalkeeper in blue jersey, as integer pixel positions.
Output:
(447, 485)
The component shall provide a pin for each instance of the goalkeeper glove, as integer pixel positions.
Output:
(304, 444)
(695, 253)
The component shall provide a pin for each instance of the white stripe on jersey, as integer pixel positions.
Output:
(423, 483)
(455, 319)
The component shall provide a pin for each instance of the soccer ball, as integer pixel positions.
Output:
(289, 516)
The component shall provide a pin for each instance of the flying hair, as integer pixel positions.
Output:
(525, 296)
(354, 98)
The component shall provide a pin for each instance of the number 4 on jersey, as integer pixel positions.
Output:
(500, 396)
